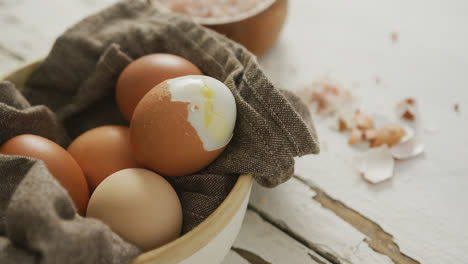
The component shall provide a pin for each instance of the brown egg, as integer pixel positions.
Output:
(59, 162)
(140, 206)
(145, 73)
(102, 151)
(182, 125)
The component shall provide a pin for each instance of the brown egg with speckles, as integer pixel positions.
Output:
(143, 74)
(58, 161)
(102, 151)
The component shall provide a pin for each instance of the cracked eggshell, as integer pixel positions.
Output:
(380, 121)
(363, 121)
(408, 149)
(182, 125)
(370, 134)
(407, 109)
(390, 134)
(356, 136)
(409, 134)
(345, 120)
(409, 145)
(376, 164)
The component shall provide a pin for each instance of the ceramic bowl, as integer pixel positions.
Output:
(210, 241)
(257, 29)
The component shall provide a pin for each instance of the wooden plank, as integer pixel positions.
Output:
(260, 242)
(377, 238)
(292, 208)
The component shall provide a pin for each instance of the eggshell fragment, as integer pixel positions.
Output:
(356, 136)
(409, 134)
(408, 149)
(376, 164)
(342, 125)
(370, 134)
(362, 120)
(407, 109)
(327, 98)
(345, 120)
(390, 135)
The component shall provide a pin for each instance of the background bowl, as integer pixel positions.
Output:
(210, 241)
(257, 29)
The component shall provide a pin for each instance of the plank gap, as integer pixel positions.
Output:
(318, 260)
(288, 231)
(378, 239)
(249, 256)
(10, 53)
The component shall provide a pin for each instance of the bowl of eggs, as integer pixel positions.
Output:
(256, 24)
(200, 113)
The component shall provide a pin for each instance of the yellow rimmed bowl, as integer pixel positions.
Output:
(210, 241)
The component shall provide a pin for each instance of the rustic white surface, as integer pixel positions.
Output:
(349, 42)
(272, 245)
(291, 205)
(28, 28)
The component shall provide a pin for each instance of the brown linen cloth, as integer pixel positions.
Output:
(38, 223)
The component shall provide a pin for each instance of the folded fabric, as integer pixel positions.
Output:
(72, 91)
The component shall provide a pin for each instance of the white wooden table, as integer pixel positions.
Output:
(327, 213)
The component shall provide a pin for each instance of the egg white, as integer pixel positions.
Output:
(211, 111)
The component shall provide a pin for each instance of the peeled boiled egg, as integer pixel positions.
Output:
(140, 206)
(182, 125)
(102, 151)
(59, 162)
(143, 74)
